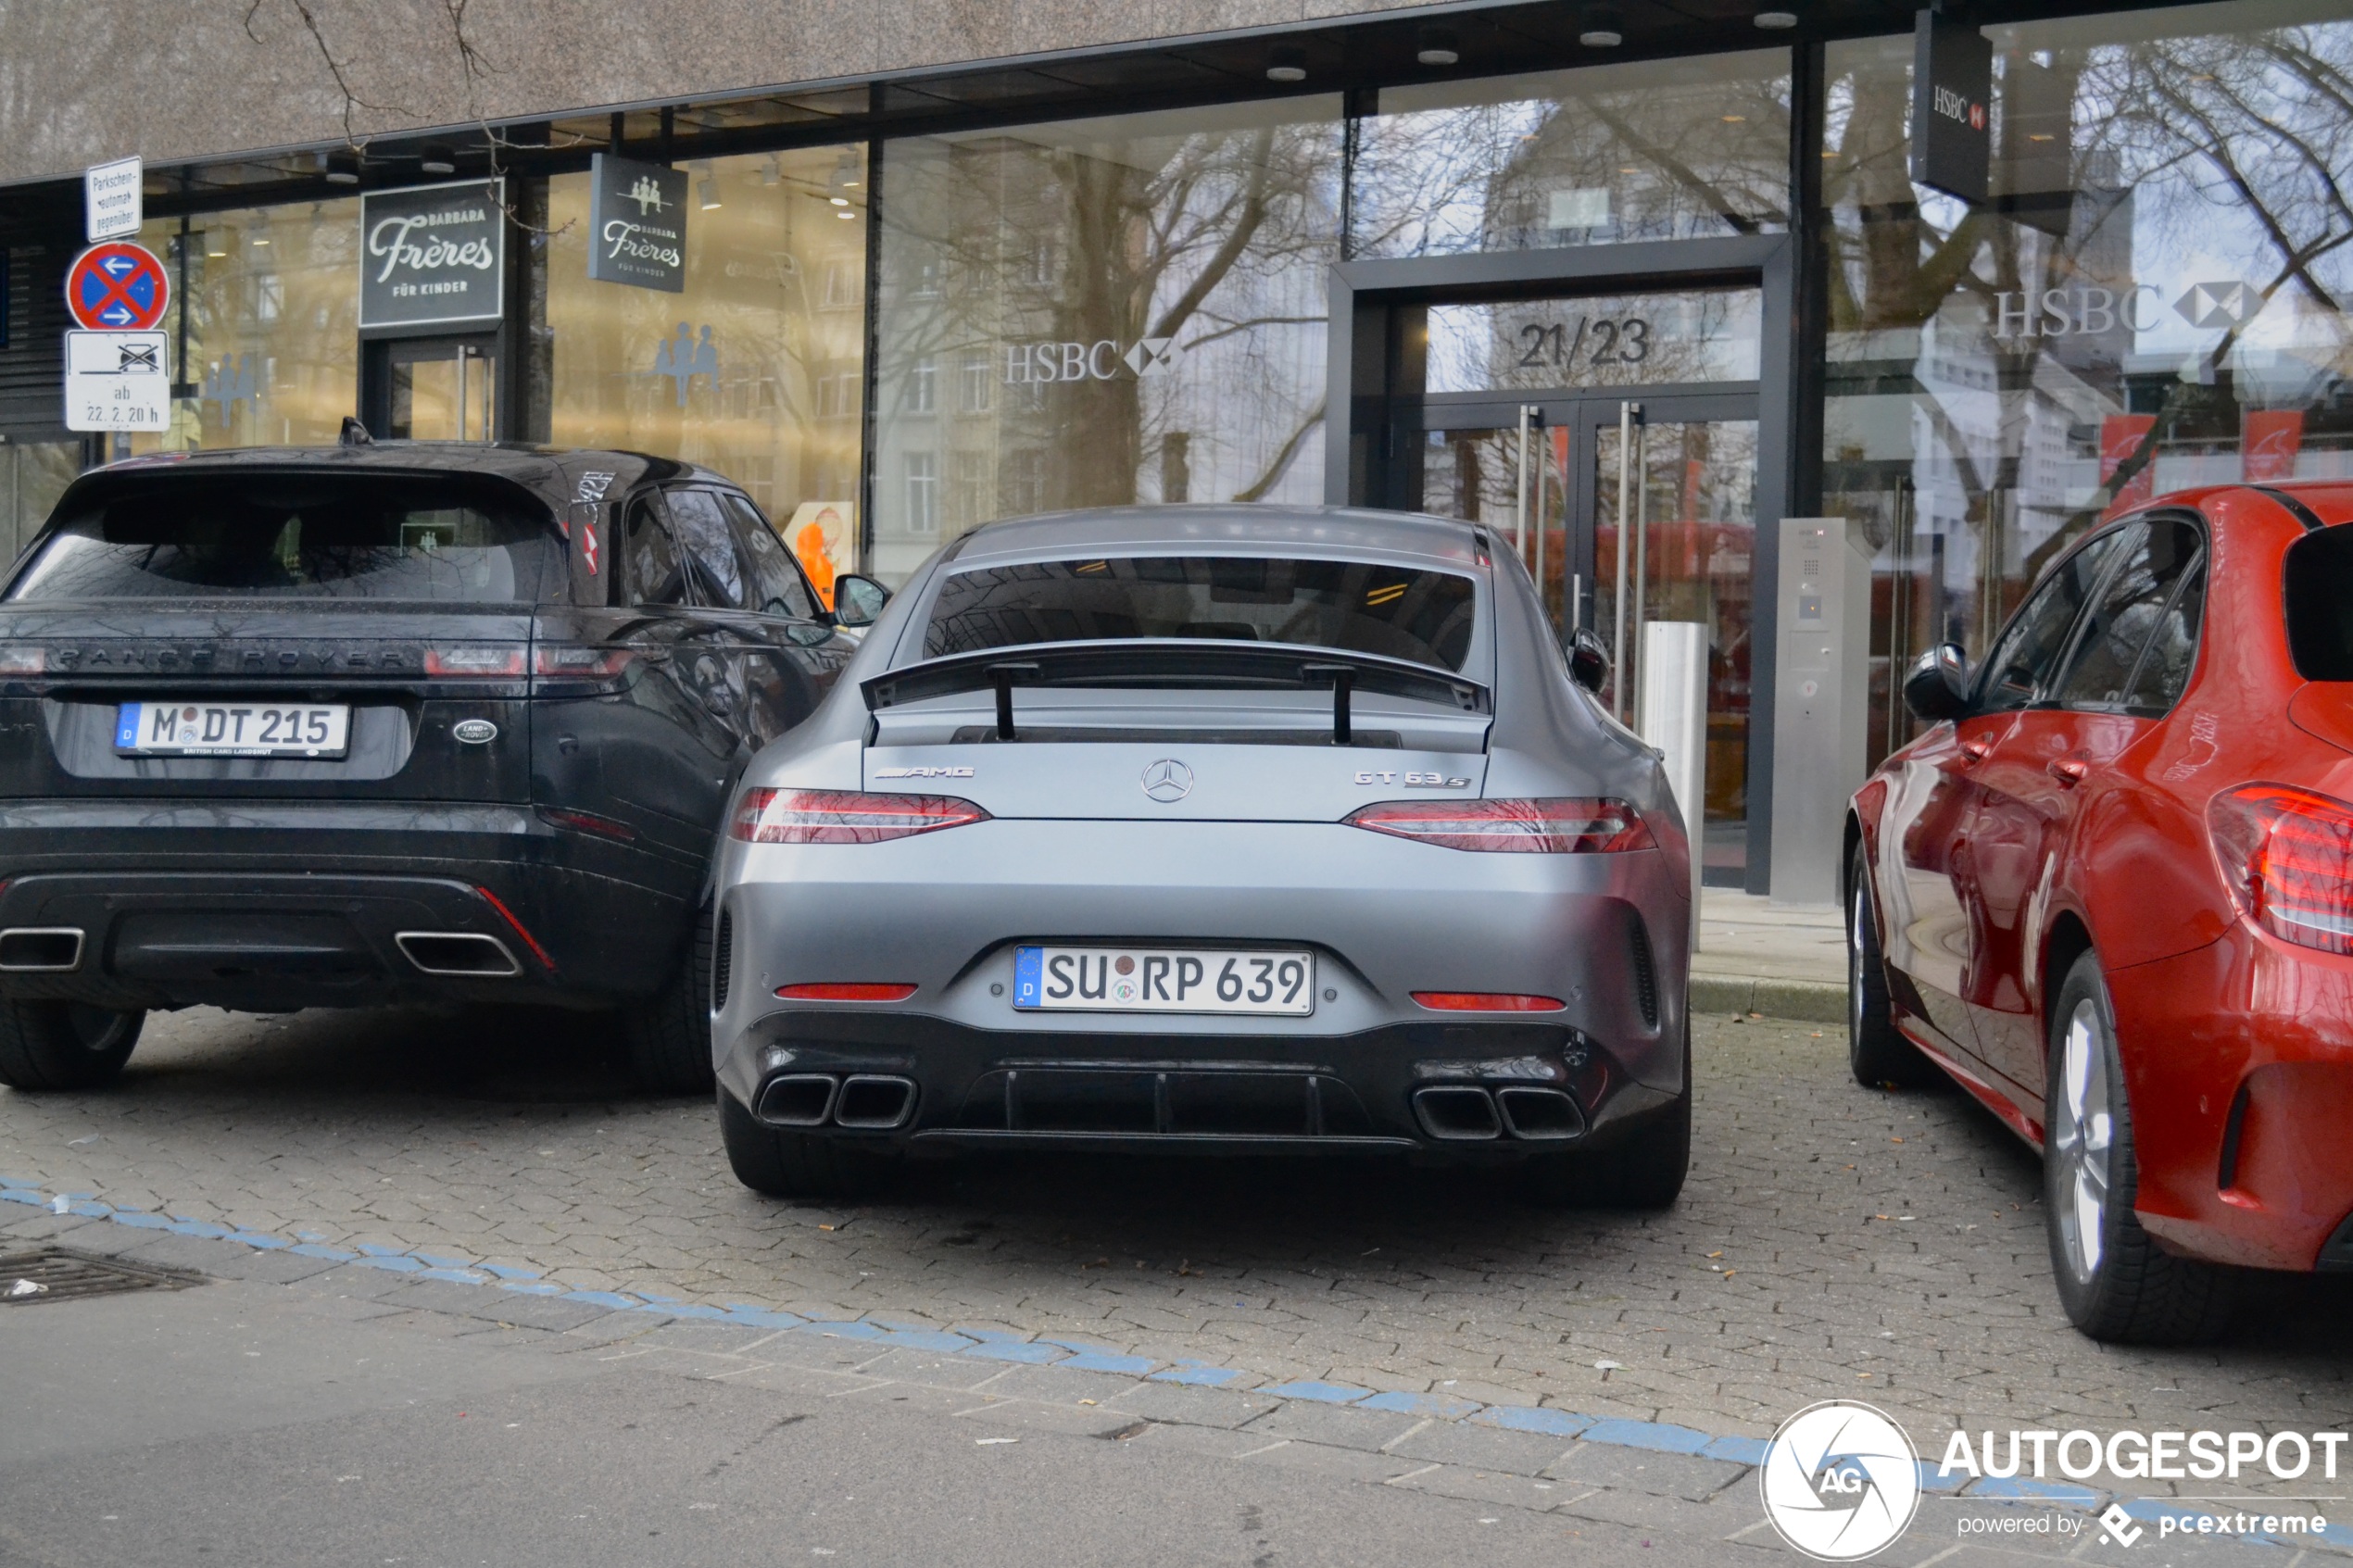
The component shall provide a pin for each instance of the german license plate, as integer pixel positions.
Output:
(1164, 980)
(232, 729)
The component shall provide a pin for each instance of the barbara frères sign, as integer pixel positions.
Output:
(1952, 106)
(432, 255)
(637, 224)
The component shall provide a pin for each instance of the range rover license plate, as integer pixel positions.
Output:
(232, 729)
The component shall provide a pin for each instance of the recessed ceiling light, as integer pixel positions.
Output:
(708, 191)
(1286, 64)
(838, 201)
(1736, 119)
(1598, 26)
(845, 213)
(438, 160)
(1777, 20)
(1438, 47)
(343, 168)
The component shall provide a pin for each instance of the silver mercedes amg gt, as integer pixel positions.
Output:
(1220, 828)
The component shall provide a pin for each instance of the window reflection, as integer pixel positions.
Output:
(1657, 150)
(2151, 303)
(1103, 312)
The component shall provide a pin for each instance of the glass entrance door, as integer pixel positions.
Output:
(1626, 512)
(433, 389)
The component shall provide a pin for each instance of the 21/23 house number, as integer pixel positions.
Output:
(1591, 340)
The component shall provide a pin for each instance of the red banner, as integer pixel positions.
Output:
(2120, 436)
(2269, 441)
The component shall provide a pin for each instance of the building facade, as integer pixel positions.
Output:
(1628, 285)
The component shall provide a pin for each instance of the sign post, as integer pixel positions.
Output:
(637, 224)
(118, 381)
(1952, 106)
(433, 255)
(112, 199)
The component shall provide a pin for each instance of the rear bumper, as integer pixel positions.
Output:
(1370, 1068)
(2238, 1058)
(271, 906)
(1469, 1092)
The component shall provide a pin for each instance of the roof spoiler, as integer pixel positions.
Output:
(1149, 662)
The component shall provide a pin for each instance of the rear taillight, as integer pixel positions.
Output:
(1487, 1001)
(2287, 854)
(845, 991)
(1527, 827)
(574, 661)
(478, 662)
(842, 816)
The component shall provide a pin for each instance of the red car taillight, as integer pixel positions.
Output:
(477, 661)
(1527, 827)
(842, 816)
(579, 662)
(845, 991)
(2287, 854)
(1487, 1001)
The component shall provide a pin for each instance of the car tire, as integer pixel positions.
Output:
(64, 1044)
(2115, 1283)
(778, 1163)
(670, 1032)
(1644, 1172)
(1876, 1049)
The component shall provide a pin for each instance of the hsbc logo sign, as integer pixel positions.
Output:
(2027, 313)
(1956, 106)
(1029, 363)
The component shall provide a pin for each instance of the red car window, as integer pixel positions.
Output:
(2149, 567)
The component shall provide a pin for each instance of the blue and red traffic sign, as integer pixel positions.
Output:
(117, 288)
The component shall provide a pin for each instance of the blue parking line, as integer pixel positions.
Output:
(998, 1345)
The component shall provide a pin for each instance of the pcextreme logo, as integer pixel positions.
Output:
(1840, 1481)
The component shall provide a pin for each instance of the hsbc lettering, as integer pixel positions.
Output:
(2059, 312)
(1026, 363)
(1952, 105)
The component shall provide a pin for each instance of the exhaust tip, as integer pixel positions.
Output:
(1457, 1113)
(458, 953)
(1540, 1113)
(798, 1100)
(40, 949)
(874, 1101)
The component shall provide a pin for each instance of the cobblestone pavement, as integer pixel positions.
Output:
(1832, 1241)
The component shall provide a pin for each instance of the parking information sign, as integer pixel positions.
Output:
(118, 381)
(112, 198)
(117, 288)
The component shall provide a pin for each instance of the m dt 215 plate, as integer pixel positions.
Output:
(232, 729)
(1165, 980)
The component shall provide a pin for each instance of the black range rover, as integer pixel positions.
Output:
(384, 723)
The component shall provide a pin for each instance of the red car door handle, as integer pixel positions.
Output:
(1976, 750)
(2069, 772)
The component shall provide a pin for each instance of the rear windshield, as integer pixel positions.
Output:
(440, 539)
(2319, 582)
(1364, 606)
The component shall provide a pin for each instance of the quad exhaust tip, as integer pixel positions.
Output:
(862, 1102)
(1463, 1112)
(40, 949)
(462, 954)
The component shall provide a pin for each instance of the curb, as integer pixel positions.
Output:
(1806, 1001)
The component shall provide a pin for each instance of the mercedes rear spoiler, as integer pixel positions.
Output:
(1163, 662)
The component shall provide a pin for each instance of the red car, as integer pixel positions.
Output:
(2110, 893)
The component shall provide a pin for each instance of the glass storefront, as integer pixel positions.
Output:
(1136, 310)
(2152, 301)
(1100, 313)
(269, 302)
(757, 368)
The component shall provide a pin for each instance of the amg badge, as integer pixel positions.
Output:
(923, 772)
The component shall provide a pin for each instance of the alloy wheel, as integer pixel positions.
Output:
(1856, 913)
(2080, 1137)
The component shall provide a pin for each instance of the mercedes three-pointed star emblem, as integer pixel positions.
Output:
(1168, 781)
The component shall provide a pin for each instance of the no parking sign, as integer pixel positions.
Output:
(117, 288)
